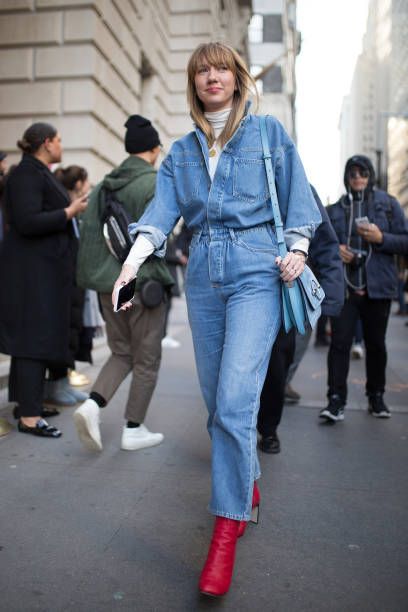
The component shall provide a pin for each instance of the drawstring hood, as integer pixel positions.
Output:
(364, 163)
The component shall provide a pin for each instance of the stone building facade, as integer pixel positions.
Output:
(86, 65)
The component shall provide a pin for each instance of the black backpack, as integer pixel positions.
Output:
(115, 221)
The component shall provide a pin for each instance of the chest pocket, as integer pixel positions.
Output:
(249, 180)
(189, 175)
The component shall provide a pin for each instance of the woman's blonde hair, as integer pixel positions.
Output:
(219, 54)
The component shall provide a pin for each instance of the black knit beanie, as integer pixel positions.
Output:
(140, 135)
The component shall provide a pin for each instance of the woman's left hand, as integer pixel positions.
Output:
(291, 266)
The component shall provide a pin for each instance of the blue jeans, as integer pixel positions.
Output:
(233, 299)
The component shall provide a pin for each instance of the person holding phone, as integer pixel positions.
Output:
(134, 338)
(36, 274)
(215, 178)
(371, 228)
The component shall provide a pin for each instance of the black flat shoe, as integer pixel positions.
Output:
(270, 444)
(46, 412)
(41, 429)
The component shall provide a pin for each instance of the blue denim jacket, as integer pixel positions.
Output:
(238, 196)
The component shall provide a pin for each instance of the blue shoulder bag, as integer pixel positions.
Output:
(301, 298)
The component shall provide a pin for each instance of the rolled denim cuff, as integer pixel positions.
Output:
(153, 234)
(298, 238)
(301, 245)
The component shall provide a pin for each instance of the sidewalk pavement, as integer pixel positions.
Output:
(129, 531)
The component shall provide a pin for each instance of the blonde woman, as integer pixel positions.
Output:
(215, 178)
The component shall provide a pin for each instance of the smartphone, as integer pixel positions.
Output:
(124, 294)
(362, 221)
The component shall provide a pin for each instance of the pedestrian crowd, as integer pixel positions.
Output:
(68, 252)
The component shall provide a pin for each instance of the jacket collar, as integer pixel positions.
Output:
(39, 165)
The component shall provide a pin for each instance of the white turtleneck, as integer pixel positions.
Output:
(217, 120)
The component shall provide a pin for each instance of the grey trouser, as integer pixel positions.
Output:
(134, 338)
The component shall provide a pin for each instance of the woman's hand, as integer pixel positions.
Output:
(291, 266)
(77, 206)
(126, 275)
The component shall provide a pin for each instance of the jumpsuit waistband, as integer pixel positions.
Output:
(221, 232)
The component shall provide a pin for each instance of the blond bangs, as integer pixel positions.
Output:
(219, 54)
(211, 54)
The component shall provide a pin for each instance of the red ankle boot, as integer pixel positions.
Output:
(216, 576)
(256, 500)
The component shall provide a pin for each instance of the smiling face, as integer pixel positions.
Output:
(358, 178)
(215, 86)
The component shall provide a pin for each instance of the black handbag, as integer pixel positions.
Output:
(115, 221)
(301, 298)
(152, 294)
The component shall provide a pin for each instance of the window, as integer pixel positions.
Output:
(273, 81)
(272, 28)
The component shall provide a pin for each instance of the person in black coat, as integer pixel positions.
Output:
(36, 274)
(325, 260)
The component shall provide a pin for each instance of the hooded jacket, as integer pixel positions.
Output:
(133, 183)
(383, 210)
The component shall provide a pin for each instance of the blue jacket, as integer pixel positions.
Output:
(238, 196)
(324, 258)
(387, 214)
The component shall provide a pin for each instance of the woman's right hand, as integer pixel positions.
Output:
(77, 206)
(127, 274)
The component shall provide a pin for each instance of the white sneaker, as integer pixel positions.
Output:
(169, 342)
(135, 438)
(357, 351)
(86, 419)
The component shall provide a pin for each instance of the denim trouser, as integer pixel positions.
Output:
(233, 299)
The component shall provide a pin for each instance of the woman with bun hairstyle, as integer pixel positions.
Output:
(36, 274)
(215, 178)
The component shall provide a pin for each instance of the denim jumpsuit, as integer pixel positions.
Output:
(232, 281)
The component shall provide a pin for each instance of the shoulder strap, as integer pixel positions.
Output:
(272, 188)
(107, 200)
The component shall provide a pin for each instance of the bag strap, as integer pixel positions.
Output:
(272, 188)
